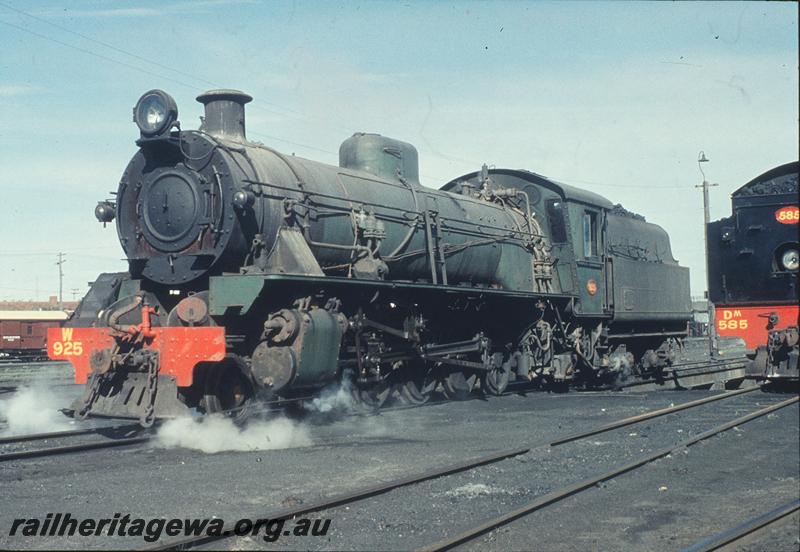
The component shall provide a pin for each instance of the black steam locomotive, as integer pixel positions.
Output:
(257, 274)
(753, 265)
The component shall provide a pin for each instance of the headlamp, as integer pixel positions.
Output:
(105, 211)
(790, 259)
(155, 113)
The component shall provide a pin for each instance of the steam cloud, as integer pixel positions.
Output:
(338, 399)
(213, 434)
(217, 434)
(32, 410)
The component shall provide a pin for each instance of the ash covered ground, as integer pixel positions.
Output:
(207, 470)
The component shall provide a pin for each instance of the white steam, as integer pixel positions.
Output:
(337, 399)
(217, 434)
(32, 410)
(331, 408)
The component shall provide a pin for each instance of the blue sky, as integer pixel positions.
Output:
(615, 97)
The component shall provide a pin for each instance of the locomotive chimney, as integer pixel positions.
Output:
(224, 116)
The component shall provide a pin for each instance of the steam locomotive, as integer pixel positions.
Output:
(753, 264)
(255, 274)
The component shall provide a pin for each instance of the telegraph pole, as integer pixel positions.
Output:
(712, 324)
(60, 263)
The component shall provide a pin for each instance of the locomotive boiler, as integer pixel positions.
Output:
(255, 274)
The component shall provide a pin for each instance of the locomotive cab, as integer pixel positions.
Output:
(613, 262)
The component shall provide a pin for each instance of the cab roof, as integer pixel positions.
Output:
(569, 193)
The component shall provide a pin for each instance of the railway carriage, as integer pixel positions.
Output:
(23, 333)
(255, 274)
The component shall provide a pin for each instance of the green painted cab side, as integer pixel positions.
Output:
(589, 258)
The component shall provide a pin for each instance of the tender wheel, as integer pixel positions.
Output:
(227, 389)
(458, 385)
(495, 382)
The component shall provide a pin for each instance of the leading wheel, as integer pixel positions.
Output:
(227, 390)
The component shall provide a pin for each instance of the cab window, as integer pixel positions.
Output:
(555, 215)
(590, 234)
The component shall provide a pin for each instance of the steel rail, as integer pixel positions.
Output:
(575, 488)
(296, 400)
(674, 376)
(369, 412)
(257, 409)
(20, 455)
(68, 433)
(4, 457)
(720, 363)
(514, 388)
(374, 490)
(111, 443)
(87, 431)
(12, 439)
(748, 527)
(651, 415)
(37, 453)
(348, 497)
(710, 362)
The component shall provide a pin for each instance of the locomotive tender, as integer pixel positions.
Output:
(255, 274)
(753, 266)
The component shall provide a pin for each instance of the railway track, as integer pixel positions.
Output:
(570, 490)
(144, 435)
(68, 449)
(649, 416)
(674, 374)
(279, 405)
(13, 439)
(115, 436)
(383, 488)
(696, 374)
(729, 538)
